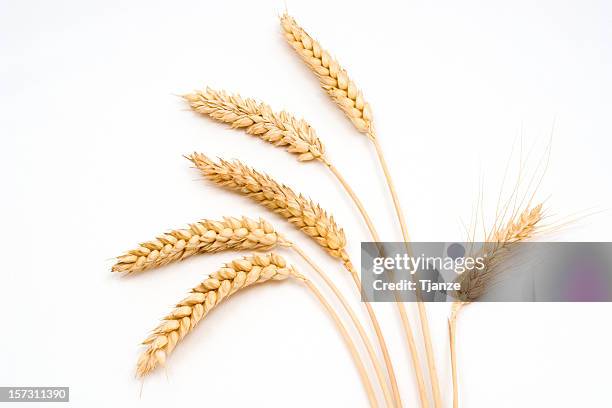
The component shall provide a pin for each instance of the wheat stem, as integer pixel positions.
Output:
(431, 363)
(347, 338)
(400, 307)
(452, 333)
(355, 320)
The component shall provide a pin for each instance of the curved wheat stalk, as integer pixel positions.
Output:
(343, 91)
(474, 283)
(205, 236)
(202, 299)
(305, 214)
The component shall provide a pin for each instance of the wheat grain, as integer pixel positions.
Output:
(258, 119)
(333, 78)
(303, 213)
(205, 236)
(233, 277)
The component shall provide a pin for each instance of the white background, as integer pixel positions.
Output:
(92, 135)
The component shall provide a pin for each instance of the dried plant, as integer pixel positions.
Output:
(234, 276)
(258, 119)
(474, 283)
(203, 298)
(308, 216)
(336, 82)
(205, 236)
(334, 79)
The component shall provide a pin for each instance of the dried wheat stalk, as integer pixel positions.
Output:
(233, 277)
(205, 236)
(474, 283)
(334, 79)
(203, 298)
(258, 119)
(300, 211)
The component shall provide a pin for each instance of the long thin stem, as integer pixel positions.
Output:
(431, 364)
(401, 310)
(349, 342)
(452, 333)
(355, 320)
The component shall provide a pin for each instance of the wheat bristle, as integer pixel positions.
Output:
(229, 279)
(205, 236)
(333, 78)
(258, 119)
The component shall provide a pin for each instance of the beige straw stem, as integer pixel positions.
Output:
(400, 308)
(349, 342)
(452, 333)
(431, 364)
(354, 319)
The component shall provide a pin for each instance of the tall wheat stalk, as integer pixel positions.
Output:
(220, 285)
(474, 283)
(347, 96)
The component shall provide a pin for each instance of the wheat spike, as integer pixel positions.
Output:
(474, 283)
(234, 276)
(205, 236)
(300, 211)
(334, 79)
(258, 119)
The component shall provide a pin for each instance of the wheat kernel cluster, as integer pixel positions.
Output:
(258, 119)
(205, 236)
(221, 284)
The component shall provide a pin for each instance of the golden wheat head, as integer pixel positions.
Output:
(205, 236)
(258, 119)
(474, 283)
(233, 277)
(303, 213)
(333, 78)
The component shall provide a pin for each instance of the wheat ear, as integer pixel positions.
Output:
(205, 236)
(333, 78)
(233, 277)
(474, 283)
(300, 211)
(306, 215)
(258, 119)
(347, 96)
